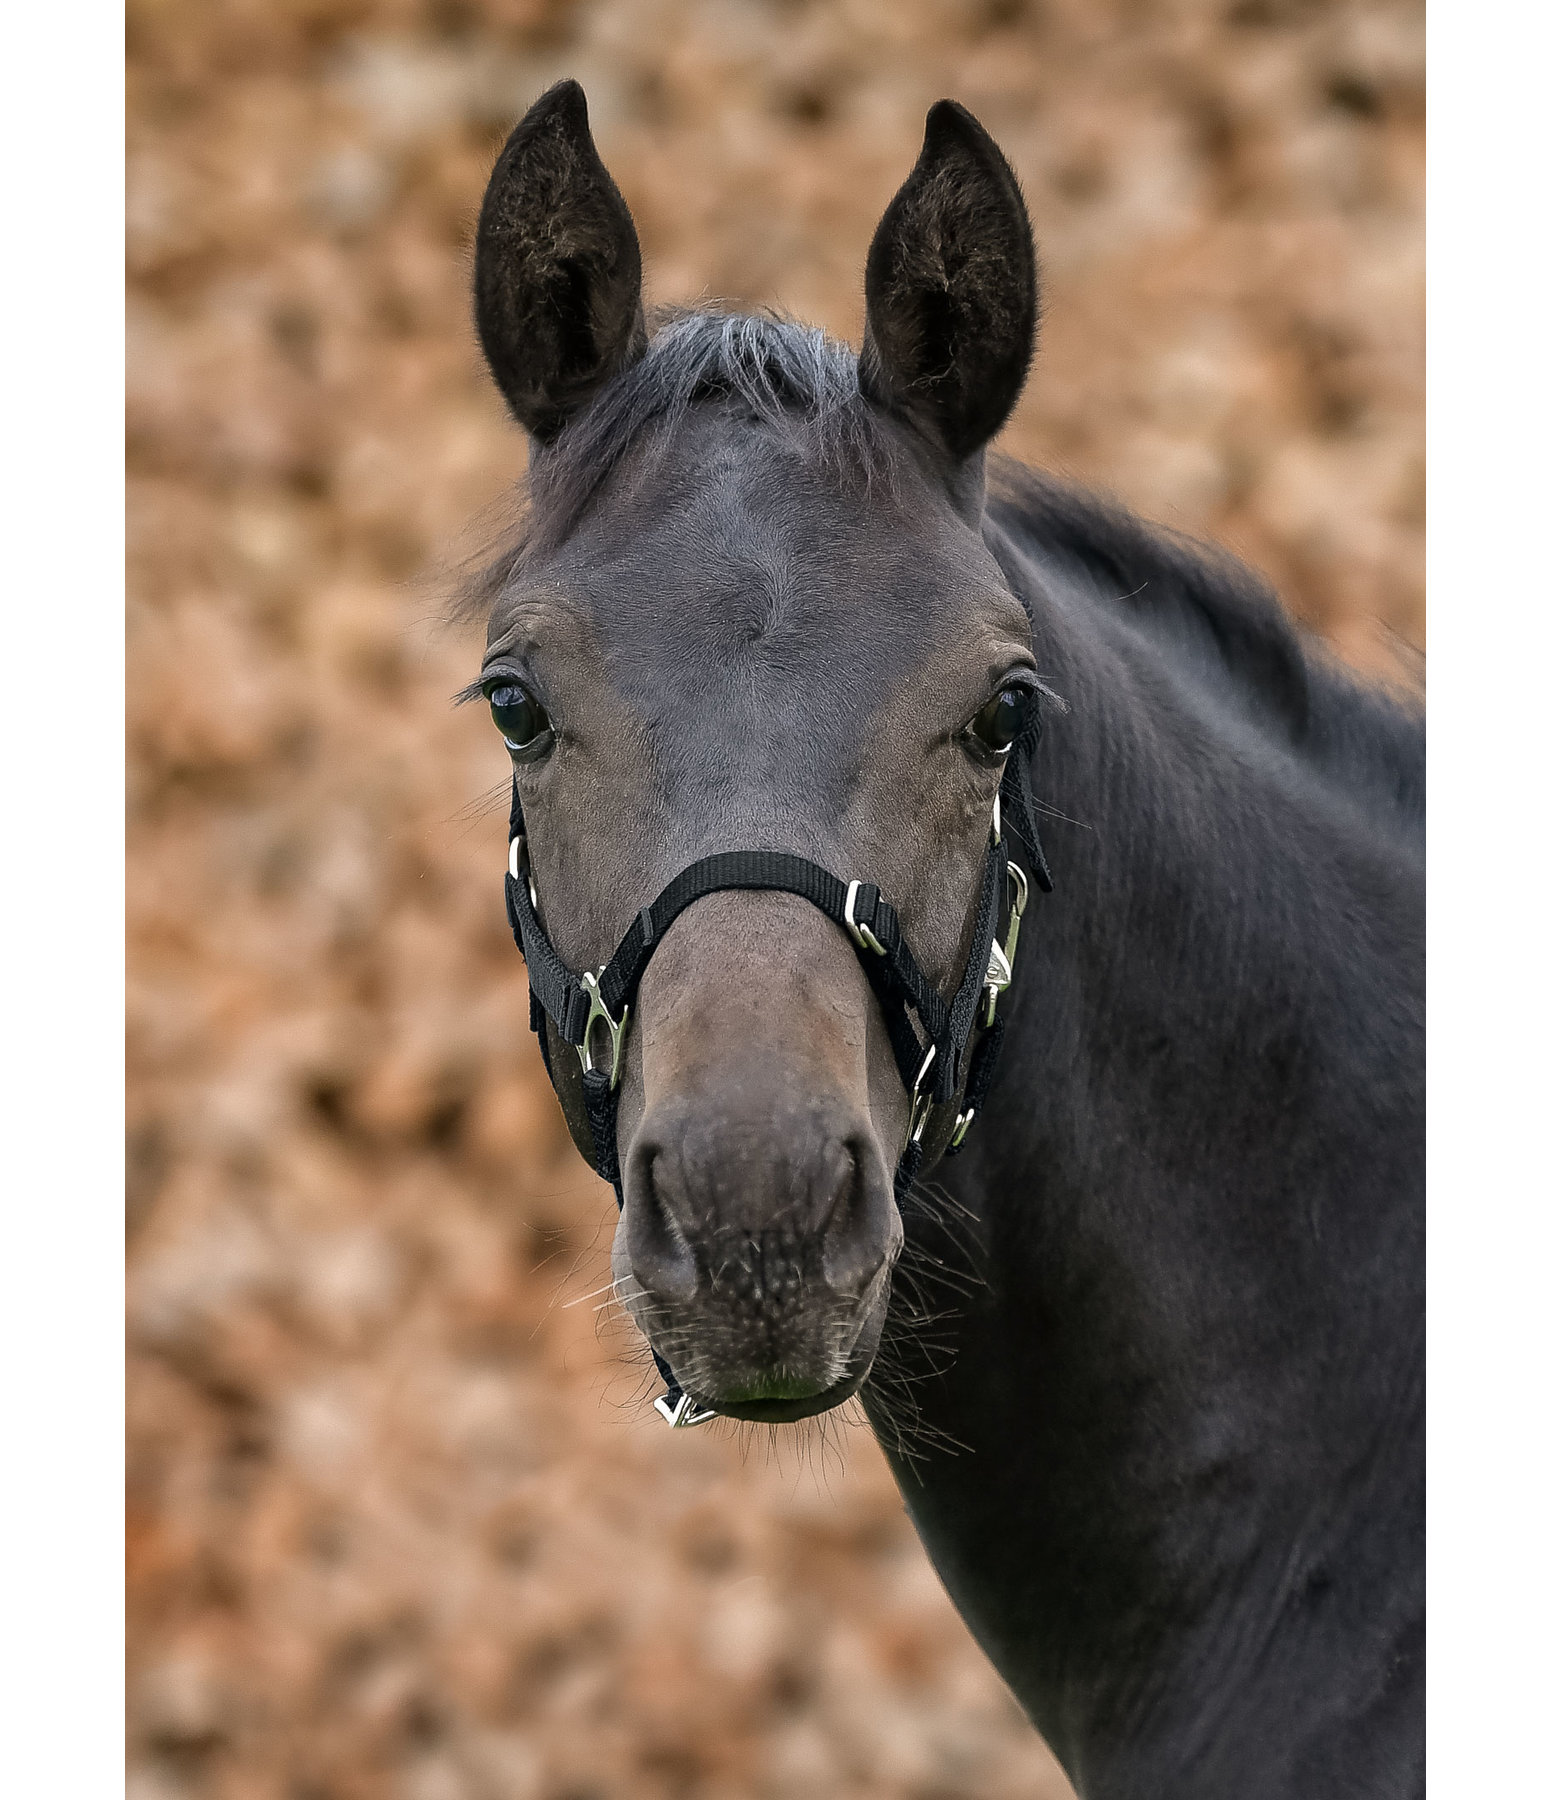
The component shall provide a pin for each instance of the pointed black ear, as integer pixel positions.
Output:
(556, 267)
(951, 296)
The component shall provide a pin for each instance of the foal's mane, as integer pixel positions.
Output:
(1214, 616)
(1193, 598)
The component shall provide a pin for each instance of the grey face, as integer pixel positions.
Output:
(739, 642)
(735, 652)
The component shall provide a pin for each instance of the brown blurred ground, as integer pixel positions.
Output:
(398, 1526)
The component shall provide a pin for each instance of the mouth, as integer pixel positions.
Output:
(788, 1411)
(781, 1395)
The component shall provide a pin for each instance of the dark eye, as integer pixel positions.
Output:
(520, 719)
(1001, 721)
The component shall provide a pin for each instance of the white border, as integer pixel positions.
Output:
(1489, 680)
(61, 900)
(60, 762)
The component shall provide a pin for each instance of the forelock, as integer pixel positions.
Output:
(772, 370)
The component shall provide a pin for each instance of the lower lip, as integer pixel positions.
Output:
(787, 1412)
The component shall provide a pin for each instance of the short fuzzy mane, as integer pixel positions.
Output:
(772, 369)
(1205, 608)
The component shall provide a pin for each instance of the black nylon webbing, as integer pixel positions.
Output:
(960, 1019)
(603, 1118)
(557, 991)
(1020, 805)
(896, 977)
(732, 869)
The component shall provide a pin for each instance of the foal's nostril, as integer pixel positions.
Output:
(858, 1233)
(660, 1255)
(756, 1235)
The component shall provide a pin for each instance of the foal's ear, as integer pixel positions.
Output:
(556, 267)
(951, 298)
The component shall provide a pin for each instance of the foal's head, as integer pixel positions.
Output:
(752, 608)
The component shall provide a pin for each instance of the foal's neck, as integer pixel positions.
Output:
(1191, 1384)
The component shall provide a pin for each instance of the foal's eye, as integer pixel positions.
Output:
(1002, 720)
(520, 719)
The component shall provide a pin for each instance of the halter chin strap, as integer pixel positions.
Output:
(930, 1036)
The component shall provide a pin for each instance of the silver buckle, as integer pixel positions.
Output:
(683, 1412)
(961, 1129)
(616, 1029)
(998, 978)
(863, 934)
(514, 858)
(998, 975)
(920, 1103)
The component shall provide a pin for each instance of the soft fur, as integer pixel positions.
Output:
(1150, 1370)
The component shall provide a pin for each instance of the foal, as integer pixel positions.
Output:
(781, 669)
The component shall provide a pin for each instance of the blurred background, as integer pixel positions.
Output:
(399, 1523)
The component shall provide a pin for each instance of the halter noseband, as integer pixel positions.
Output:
(930, 1036)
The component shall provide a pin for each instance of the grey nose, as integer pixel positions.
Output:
(757, 1239)
(807, 1202)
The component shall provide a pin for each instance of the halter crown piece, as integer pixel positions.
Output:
(930, 1036)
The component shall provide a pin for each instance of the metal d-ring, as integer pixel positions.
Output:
(598, 1012)
(863, 934)
(514, 859)
(682, 1412)
(920, 1103)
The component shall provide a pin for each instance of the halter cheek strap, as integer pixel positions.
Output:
(930, 1036)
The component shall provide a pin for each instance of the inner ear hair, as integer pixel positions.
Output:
(951, 290)
(557, 271)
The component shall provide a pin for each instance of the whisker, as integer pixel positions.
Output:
(494, 800)
(607, 1287)
(1054, 812)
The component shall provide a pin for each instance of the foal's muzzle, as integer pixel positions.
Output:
(759, 1232)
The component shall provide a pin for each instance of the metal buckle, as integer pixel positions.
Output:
(961, 1129)
(920, 1104)
(998, 978)
(514, 864)
(616, 1029)
(682, 1412)
(995, 818)
(998, 975)
(863, 934)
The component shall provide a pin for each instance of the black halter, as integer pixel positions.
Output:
(930, 1036)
